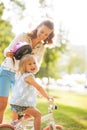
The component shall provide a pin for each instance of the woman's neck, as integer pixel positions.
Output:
(35, 42)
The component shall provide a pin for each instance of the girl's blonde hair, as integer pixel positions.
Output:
(24, 59)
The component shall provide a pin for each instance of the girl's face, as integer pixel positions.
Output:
(43, 32)
(31, 66)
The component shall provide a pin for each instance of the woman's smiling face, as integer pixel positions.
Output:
(43, 32)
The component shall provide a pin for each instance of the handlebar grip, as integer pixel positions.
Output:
(56, 107)
(53, 107)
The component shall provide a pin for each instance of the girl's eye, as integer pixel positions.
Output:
(44, 34)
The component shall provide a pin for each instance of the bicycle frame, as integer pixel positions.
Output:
(48, 117)
(27, 124)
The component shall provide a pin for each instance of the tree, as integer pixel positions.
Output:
(6, 34)
(76, 60)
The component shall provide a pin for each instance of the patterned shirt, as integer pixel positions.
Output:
(23, 93)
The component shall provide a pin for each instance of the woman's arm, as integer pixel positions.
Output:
(20, 38)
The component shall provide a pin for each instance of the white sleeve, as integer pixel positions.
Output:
(27, 74)
(19, 38)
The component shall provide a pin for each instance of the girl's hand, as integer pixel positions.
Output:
(51, 100)
(10, 54)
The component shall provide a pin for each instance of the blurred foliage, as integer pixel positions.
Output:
(6, 34)
(1, 9)
(48, 66)
(19, 3)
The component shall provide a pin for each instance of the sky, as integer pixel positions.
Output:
(72, 14)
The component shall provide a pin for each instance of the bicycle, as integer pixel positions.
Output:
(23, 123)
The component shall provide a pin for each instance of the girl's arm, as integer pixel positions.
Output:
(31, 80)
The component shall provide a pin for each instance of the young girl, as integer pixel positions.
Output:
(42, 35)
(24, 93)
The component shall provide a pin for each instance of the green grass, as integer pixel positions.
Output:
(71, 112)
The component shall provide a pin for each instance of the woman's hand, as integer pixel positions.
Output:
(10, 54)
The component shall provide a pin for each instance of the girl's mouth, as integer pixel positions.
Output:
(33, 69)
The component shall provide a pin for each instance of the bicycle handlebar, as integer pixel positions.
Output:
(52, 107)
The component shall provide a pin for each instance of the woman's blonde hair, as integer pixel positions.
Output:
(24, 59)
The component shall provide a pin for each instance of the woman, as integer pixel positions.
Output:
(43, 34)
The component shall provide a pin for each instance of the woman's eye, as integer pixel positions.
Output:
(41, 32)
(44, 34)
